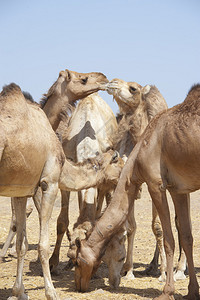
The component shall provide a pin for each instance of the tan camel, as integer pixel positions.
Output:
(67, 89)
(25, 132)
(89, 131)
(137, 106)
(61, 97)
(166, 157)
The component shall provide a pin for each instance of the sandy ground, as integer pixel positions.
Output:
(142, 287)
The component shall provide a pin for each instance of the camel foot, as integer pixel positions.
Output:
(53, 266)
(21, 297)
(152, 270)
(13, 252)
(129, 275)
(69, 265)
(164, 297)
(51, 295)
(162, 277)
(179, 275)
(191, 296)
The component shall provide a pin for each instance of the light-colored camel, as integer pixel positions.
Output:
(61, 98)
(166, 157)
(25, 132)
(89, 131)
(137, 106)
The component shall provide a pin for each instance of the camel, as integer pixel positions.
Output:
(166, 158)
(89, 131)
(60, 99)
(25, 132)
(137, 106)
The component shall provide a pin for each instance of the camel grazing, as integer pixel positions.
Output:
(166, 158)
(25, 132)
(137, 106)
(89, 131)
(61, 98)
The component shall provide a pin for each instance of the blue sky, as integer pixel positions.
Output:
(150, 42)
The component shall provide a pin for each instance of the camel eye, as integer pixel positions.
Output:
(132, 89)
(84, 80)
(121, 259)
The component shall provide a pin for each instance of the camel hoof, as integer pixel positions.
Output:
(179, 275)
(162, 278)
(22, 297)
(129, 276)
(152, 270)
(164, 297)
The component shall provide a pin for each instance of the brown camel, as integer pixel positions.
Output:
(25, 132)
(166, 157)
(137, 106)
(61, 98)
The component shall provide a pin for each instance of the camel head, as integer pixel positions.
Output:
(80, 85)
(86, 265)
(66, 90)
(114, 256)
(128, 95)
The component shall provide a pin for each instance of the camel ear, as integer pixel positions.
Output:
(146, 89)
(62, 74)
(115, 157)
(78, 243)
(68, 75)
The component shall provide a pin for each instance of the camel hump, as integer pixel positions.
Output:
(9, 89)
(155, 101)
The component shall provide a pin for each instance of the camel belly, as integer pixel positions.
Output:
(17, 190)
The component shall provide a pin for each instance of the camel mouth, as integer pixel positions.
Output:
(112, 87)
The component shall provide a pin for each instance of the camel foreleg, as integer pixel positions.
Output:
(182, 207)
(62, 227)
(131, 230)
(160, 201)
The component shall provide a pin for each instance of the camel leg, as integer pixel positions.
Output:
(181, 266)
(181, 203)
(100, 198)
(11, 234)
(48, 198)
(62, 227)
(152, 269)
(160, 201)
(19, 205)
(131, 229)
(157, 230)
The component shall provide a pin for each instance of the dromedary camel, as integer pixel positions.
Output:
(25, 132)
(89, 131)
(166, 158)
(61, 98)
(137, 106)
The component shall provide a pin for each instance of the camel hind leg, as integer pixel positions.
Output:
(11, 234)
(21, 247)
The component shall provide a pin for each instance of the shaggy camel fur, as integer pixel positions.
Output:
(25, 132)
(61, 98)
(89, 131)
(137, 105)
(166, 157)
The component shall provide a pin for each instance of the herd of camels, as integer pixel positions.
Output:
(84, 147)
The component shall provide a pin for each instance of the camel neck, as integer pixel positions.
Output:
(53, 108)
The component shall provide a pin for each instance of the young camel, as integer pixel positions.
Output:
(25, 132)
(166, 158)
(89, 131)
(61, 98)
(137, 105)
